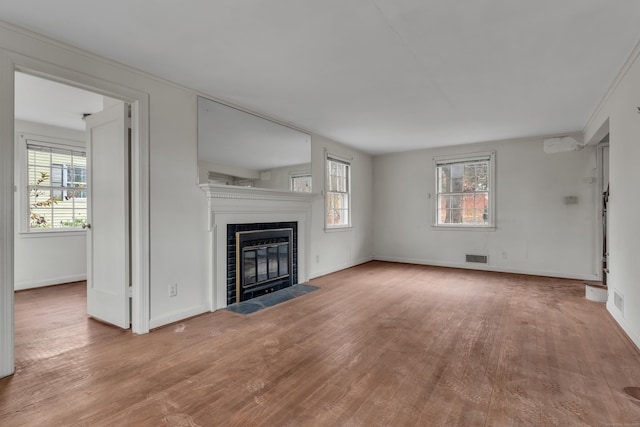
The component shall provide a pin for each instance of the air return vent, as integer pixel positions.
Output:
(482, 259)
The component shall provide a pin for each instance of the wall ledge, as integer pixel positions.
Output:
(217, 191)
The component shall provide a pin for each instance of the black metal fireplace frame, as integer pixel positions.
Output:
(234, 293)
(262, 239)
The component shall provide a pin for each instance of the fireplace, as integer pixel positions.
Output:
(232, 209)
(261, 258)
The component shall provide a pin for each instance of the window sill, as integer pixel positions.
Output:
(463, 228)
(51, 233)
(338, 229)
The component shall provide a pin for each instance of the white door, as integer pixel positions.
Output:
(108, 216)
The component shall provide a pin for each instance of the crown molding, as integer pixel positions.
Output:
(631, 59)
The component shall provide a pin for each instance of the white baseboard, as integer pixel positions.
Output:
(485, 267)
(18, 286)
(177, 316)
(617, 316)
(320, 273)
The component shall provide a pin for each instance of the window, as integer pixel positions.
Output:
(464, 191)
(338, 192)
(56, 186)
(301, 182)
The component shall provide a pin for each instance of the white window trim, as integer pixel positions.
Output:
(23, 200)
(349, 160)
(467, 157)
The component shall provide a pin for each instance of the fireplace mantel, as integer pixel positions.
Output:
(217, 191)
(237, 205)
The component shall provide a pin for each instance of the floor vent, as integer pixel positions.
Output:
(482, 259)
(618, 300)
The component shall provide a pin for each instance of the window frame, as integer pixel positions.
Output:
(300, 174)
(330, 157)
(489, 156)
(24, 139)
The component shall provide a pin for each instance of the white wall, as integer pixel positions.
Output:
(536, 233)
(42, 259)
(178, 208)
(620, 109)
(179, 236)
(338, 249)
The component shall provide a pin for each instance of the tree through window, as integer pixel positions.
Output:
(57, 186)
(338, 192)
(464, 191)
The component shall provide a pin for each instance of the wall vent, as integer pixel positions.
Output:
(618, 300)
(482, 259)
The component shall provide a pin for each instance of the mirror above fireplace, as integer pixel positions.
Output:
(242, 149)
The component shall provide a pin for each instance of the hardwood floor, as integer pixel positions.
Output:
(380, 344)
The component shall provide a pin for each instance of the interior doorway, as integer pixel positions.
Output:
(61, 189)
(10, 63)
(603, 192)
(72, 171)
(50, 176)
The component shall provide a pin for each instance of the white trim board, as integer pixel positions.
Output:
(176, 316)
(62, 280)
(6, 215)
(355, 263)
(485, 267)
(618, 317)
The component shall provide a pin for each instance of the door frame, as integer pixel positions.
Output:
(599, 206)
(10, 62)
(594, 142)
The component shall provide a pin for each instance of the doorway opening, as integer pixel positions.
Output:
(139, 197)
(603, 191)
(56, 190)
(598, 290)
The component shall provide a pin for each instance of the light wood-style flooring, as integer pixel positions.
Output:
(380, 344)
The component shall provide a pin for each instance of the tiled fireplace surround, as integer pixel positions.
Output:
(245, 205)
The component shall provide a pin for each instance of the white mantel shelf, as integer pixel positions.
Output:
(218, 191)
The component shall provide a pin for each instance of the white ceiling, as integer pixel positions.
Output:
(44, 101)
(381, 75)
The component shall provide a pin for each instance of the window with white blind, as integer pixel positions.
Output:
(465, 191)
(56, 190)
(337, 192)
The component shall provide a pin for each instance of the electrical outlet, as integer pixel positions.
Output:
(317, 259)
(173, 290)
